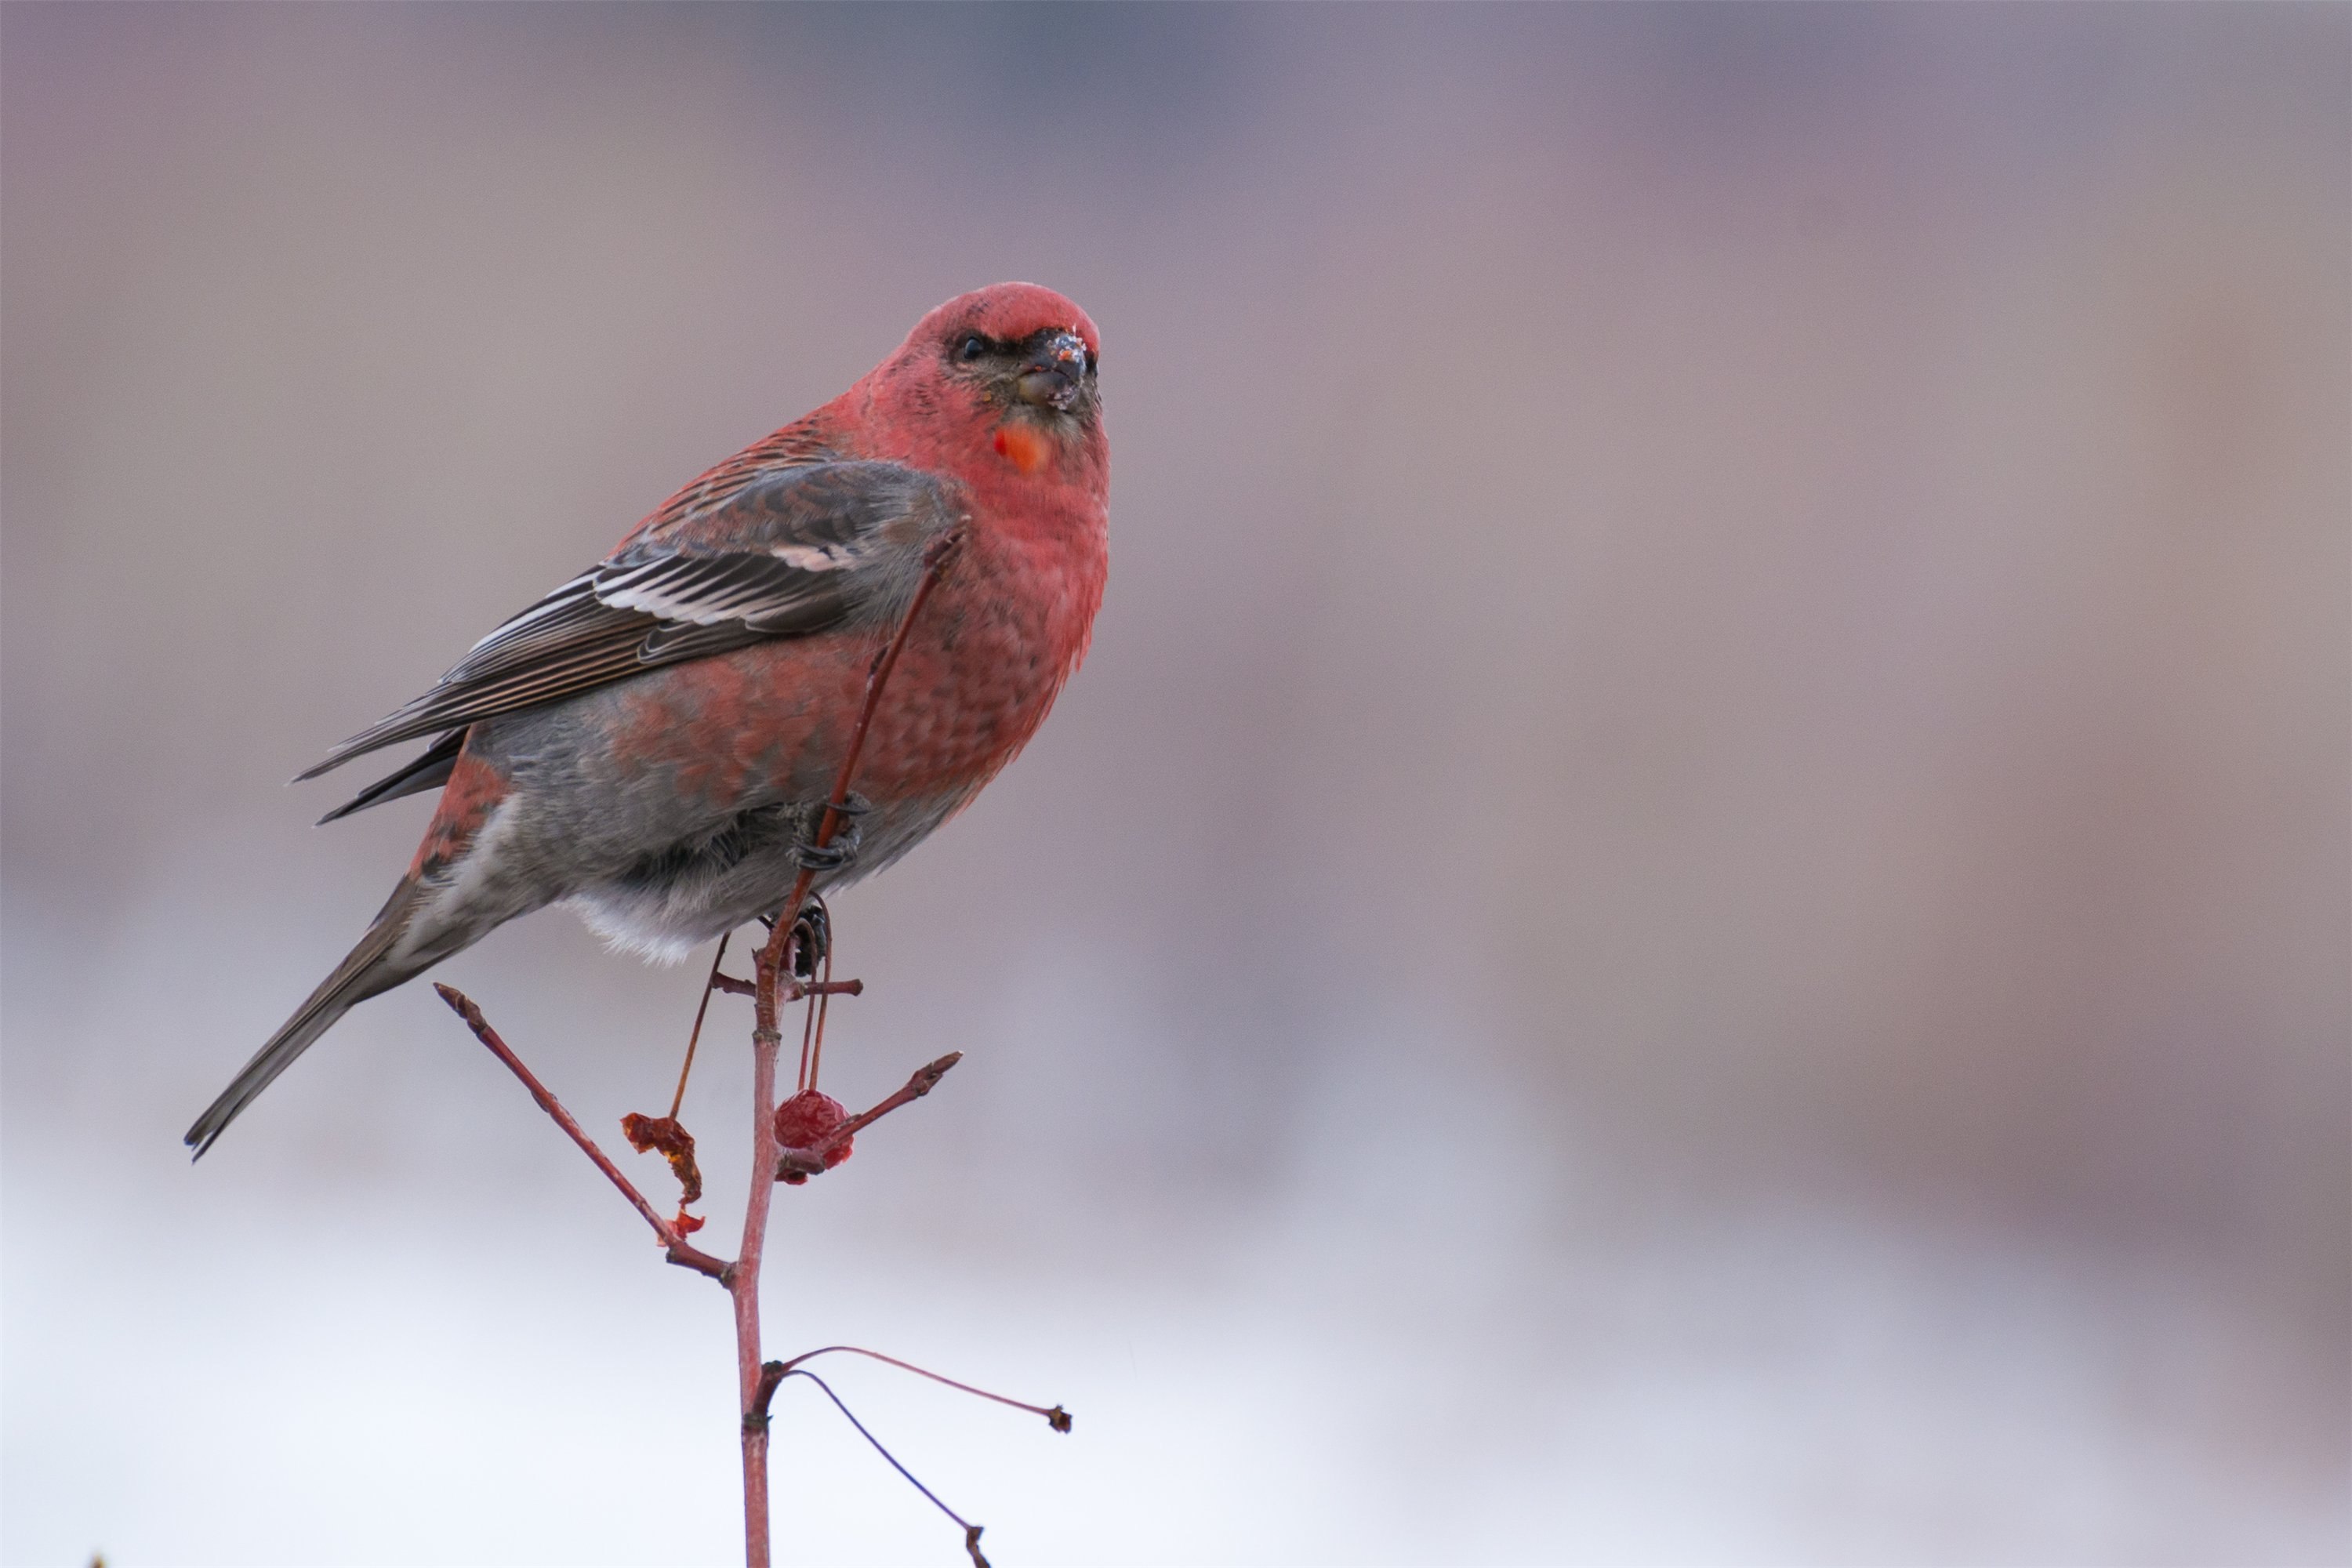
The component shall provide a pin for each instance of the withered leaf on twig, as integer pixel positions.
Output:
(676, 1146)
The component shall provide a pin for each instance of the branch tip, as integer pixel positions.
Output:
(810, 1162)
(675, 1246)
(1056, 1417)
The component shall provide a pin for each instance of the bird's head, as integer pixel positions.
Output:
(1009, 373)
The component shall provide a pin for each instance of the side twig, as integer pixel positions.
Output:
(1056, 1417)
(810, 1162)
(694, 1035)
(676, 1247)
(970, 1531)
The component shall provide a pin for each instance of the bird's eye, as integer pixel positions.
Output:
(971, 348)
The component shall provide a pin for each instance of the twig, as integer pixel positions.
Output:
(970, 1531)
(936, 557)
(793, 991)
(810, 1161)
(809, 1015)
(674, 1246)
(694, 1035)
(744, 1284)
(771, 964)
(1056, 1417)
(813, 1047)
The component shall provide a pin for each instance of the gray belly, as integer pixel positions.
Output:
(695, 890)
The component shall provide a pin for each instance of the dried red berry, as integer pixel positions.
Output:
(805, 1120)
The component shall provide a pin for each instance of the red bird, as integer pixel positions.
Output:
(653, 742)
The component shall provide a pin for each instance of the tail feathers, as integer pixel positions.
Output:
(365, 972)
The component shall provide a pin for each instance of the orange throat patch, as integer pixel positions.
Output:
(1025, 448)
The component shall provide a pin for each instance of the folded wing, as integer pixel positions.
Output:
(803, 550)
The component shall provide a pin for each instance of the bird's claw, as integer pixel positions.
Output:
(830, 856)
(842, 848)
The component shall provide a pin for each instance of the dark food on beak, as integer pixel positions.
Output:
(1052, 375)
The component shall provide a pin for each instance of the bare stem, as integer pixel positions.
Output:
(694, 1036)
(674, 1246)
(743, 1278)
(1056, 1417)
(793, 991)
(771, 966)
(970, 1531)
(810, 1162)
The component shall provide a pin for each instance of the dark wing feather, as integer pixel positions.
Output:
(808, 549)
(430, 769)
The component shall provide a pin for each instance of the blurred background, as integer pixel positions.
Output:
(1694, 908)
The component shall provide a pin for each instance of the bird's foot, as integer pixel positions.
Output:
(837, 852)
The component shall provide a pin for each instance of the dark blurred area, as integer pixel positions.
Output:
(1695, 907)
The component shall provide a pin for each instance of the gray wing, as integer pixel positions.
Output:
(805, 550)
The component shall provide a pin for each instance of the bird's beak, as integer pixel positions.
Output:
(1052, 377)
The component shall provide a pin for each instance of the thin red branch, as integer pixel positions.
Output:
(771, 965)
(822, 990)
(694, 1035)
(793, 991)
(1056, 1417)
(925, 1079)
(674, 1246)
(827, 988)
(810, 1162)
(936, 557)
(743, 1285)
